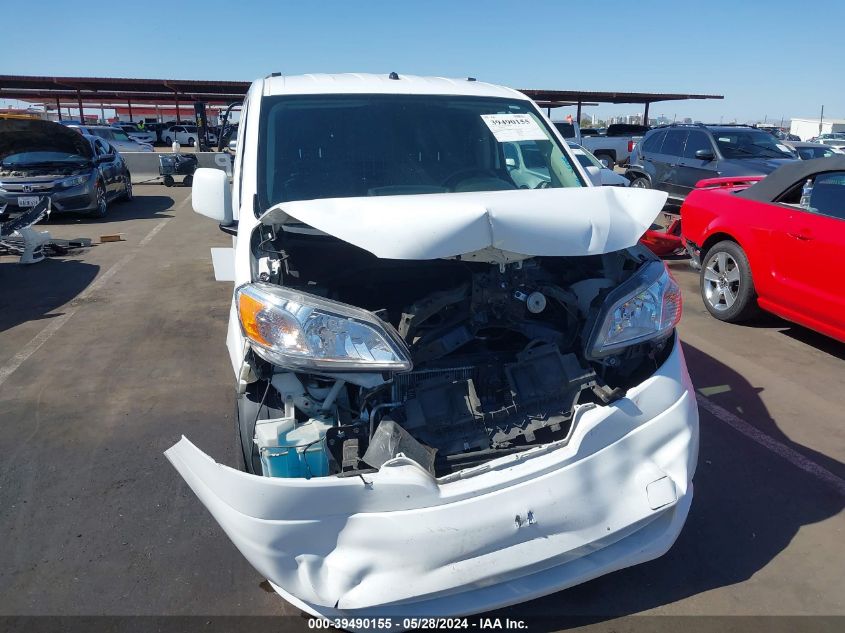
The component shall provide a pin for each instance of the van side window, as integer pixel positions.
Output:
(239, 154)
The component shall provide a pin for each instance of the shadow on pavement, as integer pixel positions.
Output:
(139, 208)
(749, 504)
(766, 320)
(30, 293)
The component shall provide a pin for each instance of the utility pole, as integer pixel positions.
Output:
(821, 118)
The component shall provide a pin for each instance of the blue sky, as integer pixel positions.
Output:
(769, 58)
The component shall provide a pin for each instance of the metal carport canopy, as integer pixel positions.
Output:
(557, 98)
(161, 91)
(120, 89)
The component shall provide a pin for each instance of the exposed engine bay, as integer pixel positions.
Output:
(499, 355)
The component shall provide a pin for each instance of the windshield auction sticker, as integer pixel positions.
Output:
(514, 127)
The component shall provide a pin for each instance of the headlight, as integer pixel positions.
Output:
(299, 330)
(75, 181)
(650, 310)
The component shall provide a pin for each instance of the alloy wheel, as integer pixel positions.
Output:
(102, 203)
(721, 281)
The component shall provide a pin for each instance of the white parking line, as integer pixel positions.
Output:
(56, 323)
(782, 450)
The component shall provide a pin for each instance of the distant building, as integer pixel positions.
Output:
(808, 128)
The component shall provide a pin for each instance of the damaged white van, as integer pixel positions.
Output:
(458, 381)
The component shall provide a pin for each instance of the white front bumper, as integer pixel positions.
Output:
(398, 543)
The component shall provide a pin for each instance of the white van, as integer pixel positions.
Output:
(453, 392)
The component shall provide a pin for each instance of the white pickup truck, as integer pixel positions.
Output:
(614, 147)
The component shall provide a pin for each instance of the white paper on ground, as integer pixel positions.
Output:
(223, 260)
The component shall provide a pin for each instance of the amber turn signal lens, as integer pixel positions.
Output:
(248, 309)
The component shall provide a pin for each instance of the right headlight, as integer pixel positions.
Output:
(73, 181)
(647, 307)
(303, 331)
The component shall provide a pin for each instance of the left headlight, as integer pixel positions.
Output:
(649, 310)
(303, 331)
(74, 181)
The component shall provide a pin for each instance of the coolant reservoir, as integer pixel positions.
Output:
(291, 449)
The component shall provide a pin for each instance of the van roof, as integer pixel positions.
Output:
(364, 83)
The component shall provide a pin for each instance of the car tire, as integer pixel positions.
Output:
(168, 181)
(609, 159)
(248, 410)
(188, 181)
(128, 194)
(726, 284)
(640, 183)
(168, 140)
(102, 208)
(191, 142)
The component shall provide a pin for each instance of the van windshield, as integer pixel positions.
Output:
(341, 146)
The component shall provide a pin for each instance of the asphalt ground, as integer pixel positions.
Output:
(109, 354)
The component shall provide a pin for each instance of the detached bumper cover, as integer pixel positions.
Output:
(398, 542)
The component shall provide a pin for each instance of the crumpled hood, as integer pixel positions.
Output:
(33, 135)
(491, 226)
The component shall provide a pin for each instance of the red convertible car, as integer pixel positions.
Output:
(664, 241)
(776, 242)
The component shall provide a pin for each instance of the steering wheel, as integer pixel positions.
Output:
(464, 174)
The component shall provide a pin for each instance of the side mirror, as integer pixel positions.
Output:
(233, 145)
(211, 195)
(102, 158)
(704, 154)
(595, 175)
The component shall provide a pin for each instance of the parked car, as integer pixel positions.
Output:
(156, 129)
(613, 148)
(600, 175)
(664, 240)
(675, 157)
(410, 331)
(79, 173)
(136, 134)
(778, 133)
(763, 246)
(808, 151)
(115, 137)
(185, 135)
(834, 139)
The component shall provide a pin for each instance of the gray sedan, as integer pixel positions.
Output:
(808, 151)
(80, 173)
(116, 138)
